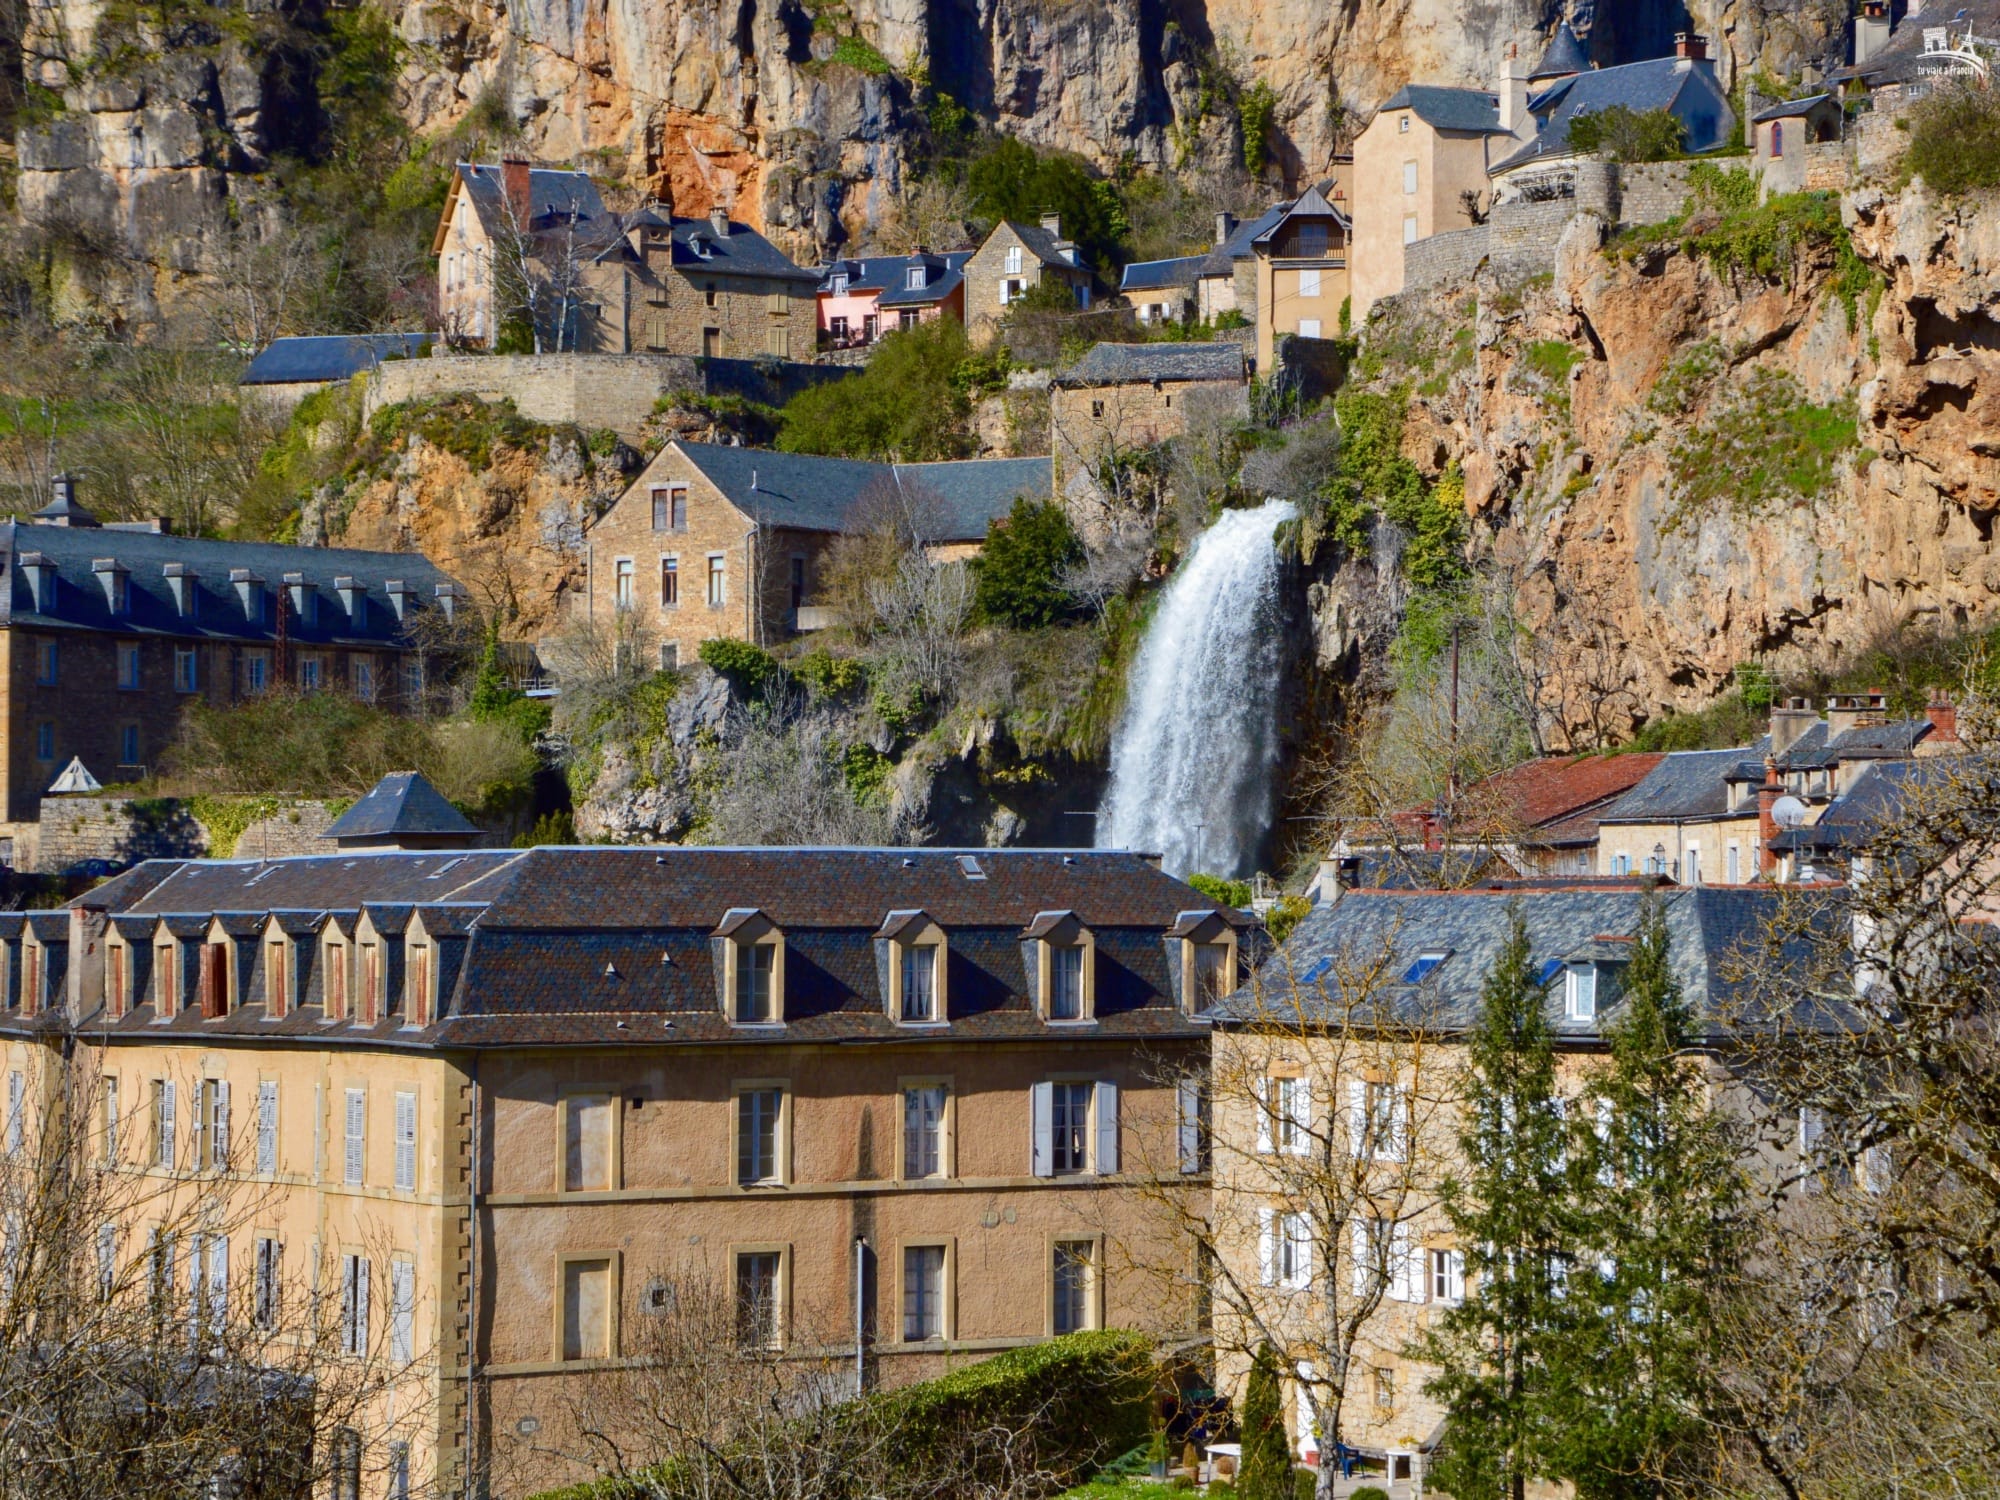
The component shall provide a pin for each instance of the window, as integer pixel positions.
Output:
(1286, 1249)
(256, 672)
(402, 1311)
(212, 1122)
(1075, 1128)
(1287, 1122)
(1385, 1388)
(371, 980)
(17, 1094)
(1066, 984)
(587, 1151)
(1309, 283)
(1733, 864)
(312, 672)
(838, 287)
(1419, 971)
(128, 665)
(1409, 177)
(836, 328)
(107, 1261)
(163, 1123)
(798, 582)
(116, 998)
(108, 1102)
(1409, 229)
(1071, 1123)
(1308, 328)
(621, 588)
(1011, 290)
(336, 980)
(759, 1286)
(708, 297)
(715, 576)
(364, 679)
(1191, 1099)
(399, 1471)
(923, 1131)
(128, 745)
(264, 1284)
(213, 977)
(670, 583)
(753, 1002)
(586, 1309)
(267, 1128)
(354, 1304)
(31, 977)
(1214, 974)
(1447, 1276)
(1580, 992)
(406, 1142)
(1402, 124)
(1312, 242)
(1691, 866)
(1777, 138)
(1378, 1119)
(355, 1137)
(670, 656)
(45, 740)
(778, 343)
(210, 1310)
(346, 1464)
(46, 661)
(186, 673)
(1621, 864)
(759, 1116)
(277, 977)
(913, 278)
(923, 1293)
(1013, 260)
(920, 986)
(1073, 1276)
(420, 973)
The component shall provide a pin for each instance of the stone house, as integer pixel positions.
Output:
(1301, 273)
(1161, 291)
(1292, 1085)
(1123, 397)
(1781, 134)
(648, 282)
(712, 541)
(1013, 258)
(107, 632)
(288, 370)
(1227, 278)
(1711, 816)
(863, 298)
(512, 1104)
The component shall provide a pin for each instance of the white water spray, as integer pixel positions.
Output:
(1193, 757)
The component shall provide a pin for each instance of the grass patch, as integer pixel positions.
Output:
(860, 55)
(1684, 382)
(1769, 446)
(1552, 359)
(1955, 141)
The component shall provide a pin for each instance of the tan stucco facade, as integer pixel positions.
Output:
(1302, 281)
(1717, 851)
(1409, 182)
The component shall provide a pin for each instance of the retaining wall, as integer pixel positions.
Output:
(121, 831)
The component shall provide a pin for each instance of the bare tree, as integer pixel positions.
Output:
(779, 776)
(921, 613)
(539, 263)
(934, 213)
(1327, 1110)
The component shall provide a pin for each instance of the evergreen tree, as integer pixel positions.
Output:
(1265, 1472)
(1510, 1206)
(1019, 582)
(1665, 1188)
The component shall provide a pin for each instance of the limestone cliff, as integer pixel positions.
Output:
(151, 131)
(1657, 450)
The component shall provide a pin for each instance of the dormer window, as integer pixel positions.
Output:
(1580, 992)
(838, 284)
(185, 585)
(166, 993)
(353, 599)
(753, 968)
(371, 982)
(304, 599)
(1203, 948)
(916, 964)
(117, 978)
(421, 983)
(1064, 954)
(401, 597)
(333, 1000)
(214, 977)
(250, 592)
(41, 580)
(914, 279)
(277, 976)
(115, 579)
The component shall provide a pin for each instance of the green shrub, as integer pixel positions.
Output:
(1255, 112)
(1628, 135)
(1011, 180)
(1369, 1492)
(828, 676)
(1768, 446)
(1683, 383)
(549, 828)
(1305, 1484)
(1019, 581)
(1725, 189)
(1552, 359)
(1955, 141)
(746, 666)
(1285, 914)
(1217, 888)
(1266, 1470)
(858, 54)
(906, 405)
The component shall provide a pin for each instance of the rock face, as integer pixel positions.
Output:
(799, 115)
(1577, 464)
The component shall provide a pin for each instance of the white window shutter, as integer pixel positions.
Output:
(167, 1123)
(1361, 1250)
(218, 1146)
(1399, 1123)
(1107, 1127)
(1042, 1155)
(1607, 1171)
(361, 1304)
(1189, 1093)
(1265, 1105)
(357, 1123)
(1409, 1270)
(218, 1280)
(267, 1128)
(1454, 1275)
(1267, 1240)
(1302, 1116)
(1357, 1117)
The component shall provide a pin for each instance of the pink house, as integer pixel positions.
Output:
(864, 298)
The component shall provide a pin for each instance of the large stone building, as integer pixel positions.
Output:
(110, 631)
(531, 1098)
(1302, 285)
(1013, 259)
(712, 541)
(1123, 397)
(604, 283)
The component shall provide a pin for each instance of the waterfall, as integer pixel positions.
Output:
(1193, 756)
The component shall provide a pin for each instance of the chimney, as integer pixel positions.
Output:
(1691, 45)
(718, 221)
(1514, 116)
(62, 489)
(1943, 714)
(1053, 224)
(514, 183)
(1871, 29)
(1790, 722)
(1767, 825)
(1845, 711)
(1225, 226)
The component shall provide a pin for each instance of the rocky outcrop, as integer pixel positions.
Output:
(1584, 411)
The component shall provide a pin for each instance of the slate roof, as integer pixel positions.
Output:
(1472, 111)
(1131, 364)
(1901, 58)
(1566, 53)
(1790, 108)
(554, 194)
(1688, 90)
(1045, 247)
(1708, 929)
(616, 945)
(403, 802)
(1152, 275)
(1221, 261)
(810, 493)
(291, 361)
(80, 601)
(1686, 784)
(1314, 203)
(698, 249)
(1877, 797)
(889, 275)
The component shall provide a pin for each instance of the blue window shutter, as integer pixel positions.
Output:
(1107, 1128)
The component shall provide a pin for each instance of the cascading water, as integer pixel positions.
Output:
(1192, 758)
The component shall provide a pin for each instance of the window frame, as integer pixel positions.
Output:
(1066, 933)
(611, 1260)
(1579, 997)
(901, 947)
(947, 1129)
(781, 1134)
(1192, 945)
(1093, 1294)
(715, 581)
(947, 1300)
(670, 568)
(746, 931)
(614, 1163)
(782, 1289)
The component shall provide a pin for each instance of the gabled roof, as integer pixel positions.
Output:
(810, 493)
(1880, 795)
(1133, 364)
(1554, 790)
(403, 802)
(1675, 84)
(1902, 56)
(555, 195)
(698, 249)
(1221, 261)
(889, 273)
(1793, 107)
(1311, 204)
(1045, 247)
(331, 357)
(1685, 784)
(1471, 111)
(1566, 53)
(1151, 275)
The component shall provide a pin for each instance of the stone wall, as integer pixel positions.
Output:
(120, 831)
(1826, 167)
(592, 390)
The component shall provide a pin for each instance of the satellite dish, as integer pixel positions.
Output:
(1789, 812)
